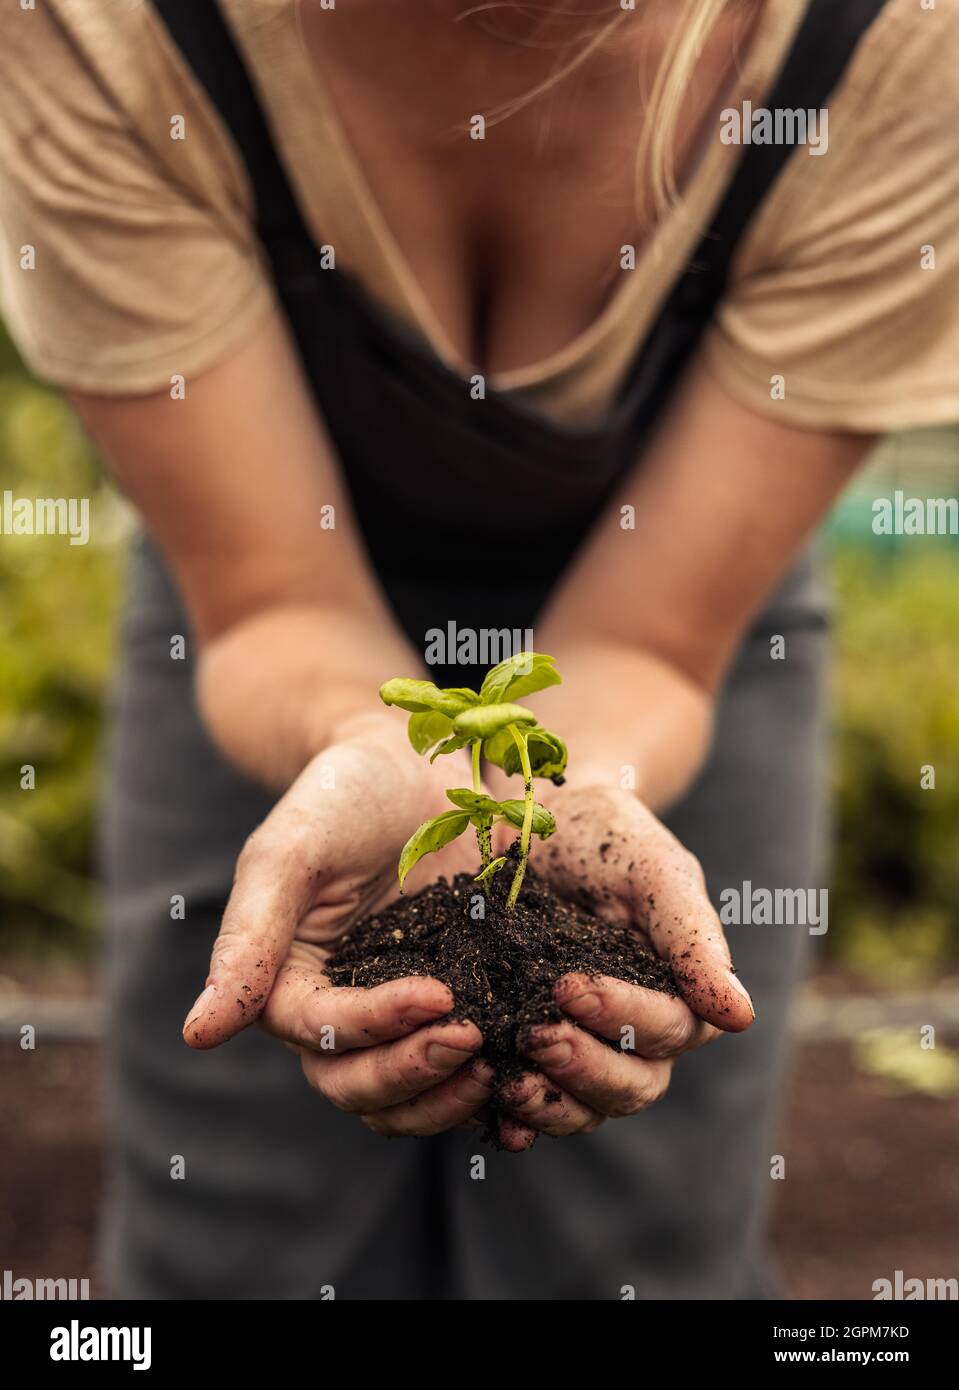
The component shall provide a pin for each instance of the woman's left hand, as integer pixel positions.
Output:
(610, 844)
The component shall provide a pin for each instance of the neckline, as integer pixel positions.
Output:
(303, 100)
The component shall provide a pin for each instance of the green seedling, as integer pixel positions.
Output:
(491, 725)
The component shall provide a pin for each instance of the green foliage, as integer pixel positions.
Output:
(486, 876)
(479, 804)
(422, 696)
(543, 821)
(547, 753)
(428, 728)
(430, 836)
(895, 883)
(894, 1056)
(57, 612)
(519, 675)
(487, 722)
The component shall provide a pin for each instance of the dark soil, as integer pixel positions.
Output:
(501, 967)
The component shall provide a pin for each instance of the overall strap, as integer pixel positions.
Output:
(821, 50)
(206, 41)
(825, 42)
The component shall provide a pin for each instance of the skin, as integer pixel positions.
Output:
(490, 234)
(295, 640)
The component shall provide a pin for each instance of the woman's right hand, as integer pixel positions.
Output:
(322, 860)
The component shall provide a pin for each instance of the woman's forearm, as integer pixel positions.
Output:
(632, 720)
(647, 620)
(279, 687)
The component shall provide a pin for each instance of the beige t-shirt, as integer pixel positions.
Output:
(145, 263)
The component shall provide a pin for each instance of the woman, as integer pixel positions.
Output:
(386, 317)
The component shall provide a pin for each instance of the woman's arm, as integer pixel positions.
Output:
(648, 619)
(236, 483)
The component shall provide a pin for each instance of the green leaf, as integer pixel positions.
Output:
(547, 753)
(517, 676)
(477, 803)
(544, 823)
(486, 720)
(428, 728)
(462, 692)
(450, 746)
(419, 696)
(496, 748)
(431, 835)
(486, 875)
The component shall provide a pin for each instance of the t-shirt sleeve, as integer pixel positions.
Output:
(846, 289)
(114, 273)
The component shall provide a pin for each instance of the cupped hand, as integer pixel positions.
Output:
(322, 860)
(612, 848)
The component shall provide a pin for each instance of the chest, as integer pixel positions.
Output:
(506, 187)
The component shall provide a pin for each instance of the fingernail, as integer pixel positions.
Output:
(740, 988)
(203, 1002)
(482, 1072)
(415, 1015)
(443, 1058)
(555, 1054)
(583, 1005)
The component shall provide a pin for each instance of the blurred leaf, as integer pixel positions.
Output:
(894, 894)
(58, 605)
(896, 1055)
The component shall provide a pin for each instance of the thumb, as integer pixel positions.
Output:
(273, 878)
(686, 931)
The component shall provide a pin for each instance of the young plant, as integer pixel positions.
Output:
(491, 725)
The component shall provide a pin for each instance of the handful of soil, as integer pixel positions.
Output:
(501, 968)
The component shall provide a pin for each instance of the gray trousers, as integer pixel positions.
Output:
(282, 1194)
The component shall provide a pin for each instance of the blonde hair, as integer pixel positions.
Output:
(655, 157)
(655, 164)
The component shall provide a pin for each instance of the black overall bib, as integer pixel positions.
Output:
(285, 1195)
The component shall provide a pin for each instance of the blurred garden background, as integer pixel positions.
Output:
(894, 889)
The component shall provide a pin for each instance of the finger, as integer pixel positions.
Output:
(514, 1136)
(684, 928)
(643, 1021)
(373, 1078)
(538, 1102)
(274, 875)
(612, 1082)
(450, 1103)
(305, 1009)
(485, 1119)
